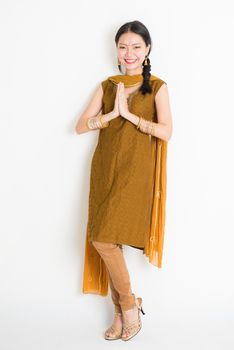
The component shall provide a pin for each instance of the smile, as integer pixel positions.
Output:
(130, 61)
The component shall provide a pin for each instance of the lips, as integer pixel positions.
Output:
(130, 61)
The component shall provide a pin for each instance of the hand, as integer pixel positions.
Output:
(115, 111)
(123, 103)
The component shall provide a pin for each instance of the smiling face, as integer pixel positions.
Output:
(131, 52)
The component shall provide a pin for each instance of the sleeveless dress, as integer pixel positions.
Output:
(122, 172)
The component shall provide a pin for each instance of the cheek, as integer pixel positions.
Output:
(141, 56)
(120, 53)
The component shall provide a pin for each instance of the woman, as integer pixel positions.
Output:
(128, 175)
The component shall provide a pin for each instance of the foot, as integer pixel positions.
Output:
(131, 321)
(115, 330)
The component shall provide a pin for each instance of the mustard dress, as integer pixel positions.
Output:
(122, 171)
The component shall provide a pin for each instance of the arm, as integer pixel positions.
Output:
(91, 112)
(162, 129)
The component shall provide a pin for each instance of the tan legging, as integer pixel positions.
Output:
(119, 279)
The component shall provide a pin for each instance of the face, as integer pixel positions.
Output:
(131, 52)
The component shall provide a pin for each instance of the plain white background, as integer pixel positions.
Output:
(53, 56)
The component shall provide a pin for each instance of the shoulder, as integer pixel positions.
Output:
(105, 82)
(112, 79)
(109, 82)
(158, 83)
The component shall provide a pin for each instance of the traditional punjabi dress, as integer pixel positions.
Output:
(127, 198)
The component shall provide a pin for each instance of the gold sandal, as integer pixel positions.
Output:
(114, 332)
(132, 328)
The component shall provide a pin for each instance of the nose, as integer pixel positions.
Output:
(129, 51)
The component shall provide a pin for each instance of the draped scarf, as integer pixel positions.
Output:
(95, 275)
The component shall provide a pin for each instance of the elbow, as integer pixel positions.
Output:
(168, 137)
(169, 134)
(78, 129)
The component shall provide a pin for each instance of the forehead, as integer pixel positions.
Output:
(130, 38)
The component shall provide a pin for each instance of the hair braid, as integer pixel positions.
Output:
(146, 87)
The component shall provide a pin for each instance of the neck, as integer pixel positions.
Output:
(133, 72)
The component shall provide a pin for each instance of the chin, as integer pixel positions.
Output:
(131, 68)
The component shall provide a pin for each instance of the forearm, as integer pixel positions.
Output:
(149, 127)
(108, 116)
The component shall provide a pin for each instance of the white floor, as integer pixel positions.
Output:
(64, 326)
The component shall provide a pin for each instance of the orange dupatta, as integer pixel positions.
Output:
(95, 277)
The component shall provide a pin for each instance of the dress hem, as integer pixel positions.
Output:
(137, 246)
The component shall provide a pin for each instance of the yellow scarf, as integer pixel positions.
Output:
(95, 277)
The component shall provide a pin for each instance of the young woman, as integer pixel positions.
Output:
(128, 175)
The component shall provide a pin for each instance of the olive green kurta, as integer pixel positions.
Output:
(122, 173)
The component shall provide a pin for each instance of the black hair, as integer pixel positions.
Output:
(140, 29)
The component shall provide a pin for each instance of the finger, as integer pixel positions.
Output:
(118, 88)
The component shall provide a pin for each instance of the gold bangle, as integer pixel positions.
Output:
(139, 122)
(104, 124)
(143, 125)
(94, 123)
(87, 124)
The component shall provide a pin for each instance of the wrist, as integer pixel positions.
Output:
(105, 118)
(97, 122)
(108, 116)
(127, 115)
(133, 118)
(147, 126)
(113, 114)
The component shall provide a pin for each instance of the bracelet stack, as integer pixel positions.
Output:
(96, 123)
(146, 126)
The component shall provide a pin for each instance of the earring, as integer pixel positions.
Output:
(145, 62)
(119, 64)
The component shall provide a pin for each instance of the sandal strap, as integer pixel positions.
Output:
(129, 326)
(132, 326)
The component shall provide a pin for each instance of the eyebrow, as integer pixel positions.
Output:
(130, 44)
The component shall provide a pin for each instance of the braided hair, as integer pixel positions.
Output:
(140, 29)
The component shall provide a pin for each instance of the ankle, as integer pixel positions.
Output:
(130, 315)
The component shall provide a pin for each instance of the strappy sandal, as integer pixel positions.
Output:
(114, 332)
(132, 328)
